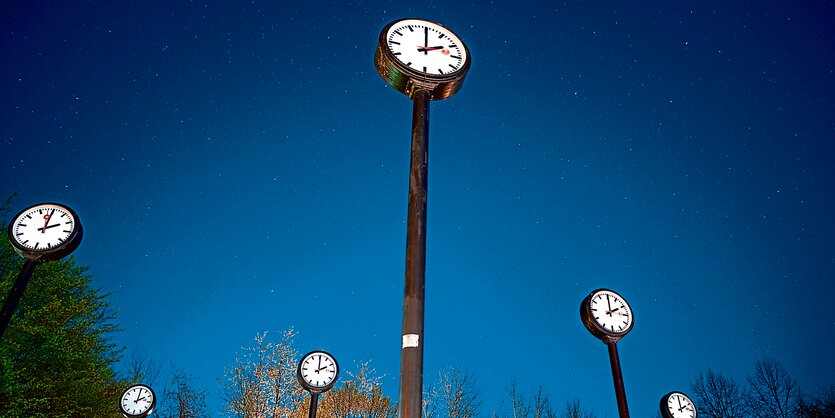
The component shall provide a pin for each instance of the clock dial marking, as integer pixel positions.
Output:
(411, 45)
(36, 235)
(606, 314)
(677, 405)
(318, 371)
(138, 401)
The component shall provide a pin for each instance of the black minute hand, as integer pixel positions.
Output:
(426, 40)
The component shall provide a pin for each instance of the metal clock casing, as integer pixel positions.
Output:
(140, 410)
(441, 81)
(55, 229)
(678, 405)
(592, 319)
(311, 368)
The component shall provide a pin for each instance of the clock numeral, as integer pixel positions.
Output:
(440, 71)
(396, 43)
(456, 57)
(21, 225)
(441, 37)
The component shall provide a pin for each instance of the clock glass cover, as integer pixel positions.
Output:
(46, 231)
(609, 312)
(677, 405)
(318, 370)
(137, 401)
(426, 47)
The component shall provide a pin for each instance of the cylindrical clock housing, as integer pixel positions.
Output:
(607, 329)
(441, 77)
(677, 405)
(317, 372)
(45, 232)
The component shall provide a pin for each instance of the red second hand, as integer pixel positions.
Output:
(45, 223)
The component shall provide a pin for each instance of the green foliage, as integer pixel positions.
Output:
(56, 356)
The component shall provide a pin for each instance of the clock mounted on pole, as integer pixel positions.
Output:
(425, 61)
(39, 233)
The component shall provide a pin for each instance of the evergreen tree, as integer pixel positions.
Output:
(56, 357)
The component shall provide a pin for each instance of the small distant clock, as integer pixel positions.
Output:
(45, 232)
(415, 54)
(318, 371)
(138, 401)
(677, 405)
(606, 315)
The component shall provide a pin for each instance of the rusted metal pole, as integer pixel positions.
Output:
(15, 294)
(411, 351)
(620, 392)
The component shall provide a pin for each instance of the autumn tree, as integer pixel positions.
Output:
(262, 383)
(359, 396)
(718, 396)
(56, 356)
(772, 393)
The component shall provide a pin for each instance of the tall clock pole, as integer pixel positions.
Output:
(411, 354)
(15, 294)
(617, 376)
(425, 61)
(607, 316)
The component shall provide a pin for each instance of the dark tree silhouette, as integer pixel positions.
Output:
(772, 392)
(718, 396)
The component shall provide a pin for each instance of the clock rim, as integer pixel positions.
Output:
(594, 327)
(143, 414)
(408, 81)
(459, 73)
(50, 254)
(311, 387)
(665, 412)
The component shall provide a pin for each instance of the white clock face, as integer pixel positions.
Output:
(611, 312)
(137, 400)
(680, 406)
(426, 47)
(43, 227)
(318, 369)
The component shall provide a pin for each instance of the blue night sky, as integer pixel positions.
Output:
(241, 167)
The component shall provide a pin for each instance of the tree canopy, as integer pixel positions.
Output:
(56, 356)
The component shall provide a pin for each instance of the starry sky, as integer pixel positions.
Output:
(241, 167)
